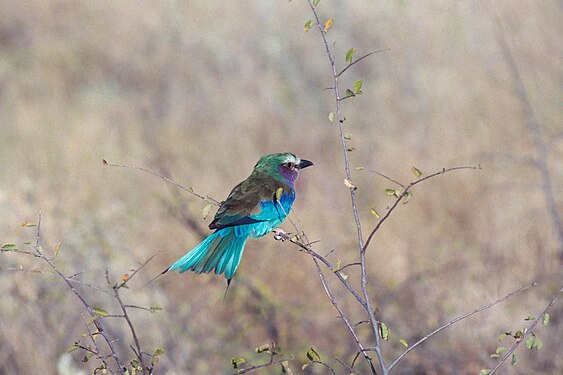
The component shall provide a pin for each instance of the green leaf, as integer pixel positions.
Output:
(28, 224)
(331, 117)
(404, 343)
(72, 347)
(9, 247)
(100, 311)
(350, 93)
(308, 25)
(545, 319)
(236, 361)
(373, 212)
(305, 366)
(206, 210)
(158, 351)
(316, 2)
(383, 331)
(534, 342)
(501, 349)
(494, 355)
(518, 334)
(393, 192)
(514, 359)
(350, 55)
(358, 87)
(485, 371)
(313, 355)
(503, 335)
(155, 308)
(416, 171)
(263, 348)
(530, 317)
(360, 168)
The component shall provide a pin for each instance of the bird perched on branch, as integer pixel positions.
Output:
(253, 208)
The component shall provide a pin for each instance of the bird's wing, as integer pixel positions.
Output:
(243, 205)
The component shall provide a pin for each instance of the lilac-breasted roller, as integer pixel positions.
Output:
(253, 208)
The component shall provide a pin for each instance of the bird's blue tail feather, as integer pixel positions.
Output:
(221, 251)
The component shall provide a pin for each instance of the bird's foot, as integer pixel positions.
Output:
(281, 235)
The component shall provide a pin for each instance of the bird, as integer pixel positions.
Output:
(252, 209)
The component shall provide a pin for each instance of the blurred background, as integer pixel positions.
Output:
(198, 91)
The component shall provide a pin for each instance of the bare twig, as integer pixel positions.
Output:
(257, 367)
(189, 190)
(404, 193)
(360, 59)
(458, 319)
(97, 322)
(527, 333)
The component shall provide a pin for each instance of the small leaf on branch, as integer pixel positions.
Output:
(327, 24)
(393, 192)
(100, 311)
(206, 210)
(155, 308)
(359, 168)
(404, 342)
(57, 248)
(348, 137)
(28, 224)
(416, 171)
(350, 55)
(9, 247)
(514, 359)
(308, 25)
(373, 212)
(331, 117)
(316, 2)
(350, 93)
(530, 317)
(236, 361)
(534, 342)
(263, 348)
(545, 319)
(349, 184)
(383, 331)
(485, 371)
(313, 355)
(358, 87)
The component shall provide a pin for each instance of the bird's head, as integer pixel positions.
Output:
(285, 165)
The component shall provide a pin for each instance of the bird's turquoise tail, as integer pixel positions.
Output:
(221, 251)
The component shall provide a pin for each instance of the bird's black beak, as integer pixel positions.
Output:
(304, 164)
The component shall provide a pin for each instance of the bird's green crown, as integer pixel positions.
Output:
(283, 165)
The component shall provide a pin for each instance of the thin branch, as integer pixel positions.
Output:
(257, 367)
(347, 322)
(97, 322)
(360, 59)
(189, 190)
(404, 193)
(361, 246)
(458, 319)
(527, 333)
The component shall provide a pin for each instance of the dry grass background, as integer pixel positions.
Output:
(198, 91)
